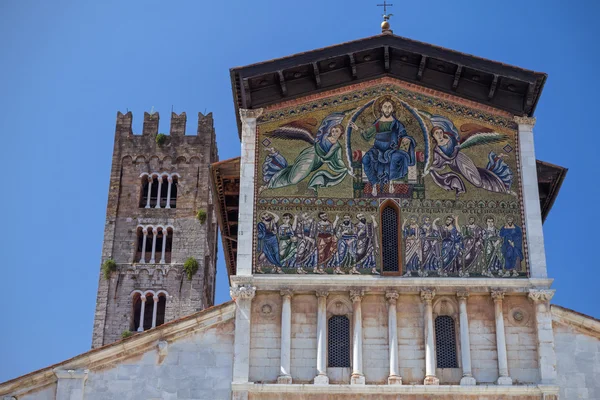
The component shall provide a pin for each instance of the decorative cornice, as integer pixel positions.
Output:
(462, 295)
(427, 295)
(248, 114)
(497, 294)
(322, 293)
(541, 295)
(525, 120)
(287, 293)
(391, 296)
(244, 292)
(356, 295)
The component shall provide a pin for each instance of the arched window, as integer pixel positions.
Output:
(161, 307)
(338, 341)
(445, 342)
(148, 316)
(158, 190)
(390, 238)
(146, 236)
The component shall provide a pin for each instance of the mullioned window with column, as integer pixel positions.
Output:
(158, 190)
(154, 244)
(148, 309)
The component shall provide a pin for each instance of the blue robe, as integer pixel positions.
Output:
(513, 254)
(268, 245)
(385, 161)
(452, 247)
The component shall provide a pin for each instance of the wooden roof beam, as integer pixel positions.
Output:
(457, 76)
(422, 67)
(352, 65)
(317, 74)
(282, 83)
(247, 96)
(493, 87)
(386, 58)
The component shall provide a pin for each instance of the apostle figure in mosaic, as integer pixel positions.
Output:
(432, 248)
(412, 245)
(447, 145)
(324, 149)
(326, 242)
(393, 150)
(366, 245)
(346, 245)
(306, 249)
(268, 246)
(452, 247)
(288, 242)
(493, 260)
(512, 248)
(473, 240)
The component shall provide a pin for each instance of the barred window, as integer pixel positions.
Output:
(445, 342)
(389, 239)
(338, 338)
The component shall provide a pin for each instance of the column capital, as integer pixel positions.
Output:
(156, 298)
(541, 295)
(391, 296)
(145, 231)
(322, 293)
(244, 292)
(497, 294)
(356, 295)
(462, 295)
(525, 120)
(247, 114)
(427, 295)
(170, 179)
(287, 293)
(143, 298)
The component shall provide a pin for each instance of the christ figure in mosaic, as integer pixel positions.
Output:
(287, 240)
(452, 246)
(326, 242)
(324, 149)
(366, 245)
(412, 245)
(268, 246)
(306, 251)
(512, 248)
(346, 245)
(495, 177)
(472, 238)
(493, 260)
(393, 150)
(432, 248)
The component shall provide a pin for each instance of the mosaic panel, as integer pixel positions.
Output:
(325, 167)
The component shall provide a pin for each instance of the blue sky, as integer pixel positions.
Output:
(67, 67)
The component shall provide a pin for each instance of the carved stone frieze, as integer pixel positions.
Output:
(244, 292)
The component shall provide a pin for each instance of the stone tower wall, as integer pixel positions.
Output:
(134, 155)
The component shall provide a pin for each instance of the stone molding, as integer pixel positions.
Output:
(463, 295)
(247, 113)
(525, 120)
(541, 295)
(243, 292)
(427, 295)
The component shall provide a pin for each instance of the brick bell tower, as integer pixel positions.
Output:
(159, 215)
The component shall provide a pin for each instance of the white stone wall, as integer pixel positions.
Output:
(578, 363)
(521, 341)
(411, 339)
(482, 334)
(47, 393)
(376, 358)
(265, 337)
(304, 338)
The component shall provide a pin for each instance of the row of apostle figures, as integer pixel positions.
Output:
(451, 250)
(435, 246)
(303, 243)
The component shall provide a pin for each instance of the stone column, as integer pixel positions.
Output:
(545, 334)
(149, 191)
(142, 311)
(145, 236)
(165, 233)
(286, 338)
(152, 255)
(160, 179)
(322, 378)
(242, 295)
(170, 181)
(357, 377)
(247, 176)
(394, 378)
(531, 198)
(465, 344)
(154, 310)
(430, 377)
(504, 378)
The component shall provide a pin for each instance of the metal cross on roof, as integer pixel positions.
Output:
(385, 5)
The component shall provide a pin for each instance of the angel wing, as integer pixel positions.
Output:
(296, 130)
(474, 135)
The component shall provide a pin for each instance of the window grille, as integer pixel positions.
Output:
(338, 337)
(389, 239)
(445, 342)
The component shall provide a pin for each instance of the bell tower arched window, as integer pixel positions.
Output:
(391, 245)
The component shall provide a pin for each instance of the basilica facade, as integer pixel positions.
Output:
(383, 235)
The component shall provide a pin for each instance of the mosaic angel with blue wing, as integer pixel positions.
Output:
(447, 145)
(324, 149)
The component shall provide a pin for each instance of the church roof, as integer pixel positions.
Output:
(226, 181)
(126, 348)
(492, 83)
